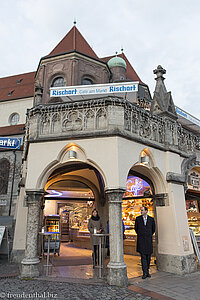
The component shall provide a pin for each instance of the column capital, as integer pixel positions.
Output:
(34, 196)
(114, 195)
(161, 199)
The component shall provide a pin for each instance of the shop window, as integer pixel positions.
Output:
(14, 119)
(4, 175)
(192, 202)
(86, 81)
(138, 193)
(58, 81)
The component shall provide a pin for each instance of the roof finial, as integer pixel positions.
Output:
(122, 49)
(74, 21)
(116, 53)
(159, 72)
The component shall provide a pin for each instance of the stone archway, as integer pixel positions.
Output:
(86, 174)
(157, 195)
(81, 170)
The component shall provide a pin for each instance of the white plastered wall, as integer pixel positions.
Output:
(114, 157)
(19, 106)
(173, 230)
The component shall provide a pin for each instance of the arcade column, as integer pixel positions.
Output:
(31, 261)
(117, 270)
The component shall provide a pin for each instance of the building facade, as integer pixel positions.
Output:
(97, 145)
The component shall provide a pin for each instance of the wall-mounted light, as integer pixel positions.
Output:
(72, 154)
(144, 160)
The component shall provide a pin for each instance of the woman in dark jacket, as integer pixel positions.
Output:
(94, 226)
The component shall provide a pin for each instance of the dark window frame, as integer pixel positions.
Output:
(4, 175)
(57, 78)
(88, 80)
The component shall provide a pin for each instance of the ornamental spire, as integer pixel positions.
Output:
(159, 72)
(162, 103)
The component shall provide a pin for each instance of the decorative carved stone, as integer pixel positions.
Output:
(31, 260)
(162, 103)
(104, 115)
(175, 178)
(187, 165)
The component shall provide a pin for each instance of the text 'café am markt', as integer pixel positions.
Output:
(93, 137)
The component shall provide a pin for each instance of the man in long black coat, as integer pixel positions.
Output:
(145, 228)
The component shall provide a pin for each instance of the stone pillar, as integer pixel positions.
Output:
(31, 261)
(117, 270)
(175, 250)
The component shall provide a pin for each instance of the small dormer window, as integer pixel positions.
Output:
(10, 93)
(58, 81)
(19, 81)
(86, 81)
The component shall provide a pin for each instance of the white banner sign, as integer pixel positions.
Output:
(187, 116)
(94, 89)
(2, 230)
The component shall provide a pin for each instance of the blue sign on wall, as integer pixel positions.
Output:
(10, 143)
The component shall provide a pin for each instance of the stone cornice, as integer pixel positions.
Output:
(108, 116)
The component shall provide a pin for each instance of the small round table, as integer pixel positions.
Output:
(101, 246)
(48, 235)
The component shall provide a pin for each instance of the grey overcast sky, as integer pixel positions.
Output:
(151, 33)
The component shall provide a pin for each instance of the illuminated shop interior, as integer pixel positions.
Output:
(138, 193)
(69, 204)
(192, 197)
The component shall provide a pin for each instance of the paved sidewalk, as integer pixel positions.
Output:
(162, 286)
(14, 288)
(180, 287)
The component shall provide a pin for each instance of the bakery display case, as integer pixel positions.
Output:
(130, 210)
(138, 193)
(79, 218)
(78, 230)
(193, 215)
(194, 222)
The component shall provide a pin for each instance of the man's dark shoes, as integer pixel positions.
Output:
(144, 276)
(148, 275)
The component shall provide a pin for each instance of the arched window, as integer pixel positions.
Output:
(4, 175)
(58, 81)
(86, 81)
(14, 119)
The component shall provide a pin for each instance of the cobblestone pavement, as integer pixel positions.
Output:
(15, 288)
(8, 269)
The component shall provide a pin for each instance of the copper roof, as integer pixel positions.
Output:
(130, 72)
(12, 130)
(73, 40)
(17, 86)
